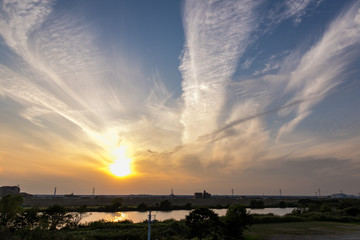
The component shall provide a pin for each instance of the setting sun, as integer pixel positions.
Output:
(121, 166)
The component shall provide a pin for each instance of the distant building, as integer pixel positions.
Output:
(206, 195)
(340, 195)
(9, 190)
(202, 195)
(198, 195)
(71, 196)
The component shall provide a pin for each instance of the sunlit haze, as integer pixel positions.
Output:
(141, 97)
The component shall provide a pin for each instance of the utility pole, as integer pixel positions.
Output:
(149, 225)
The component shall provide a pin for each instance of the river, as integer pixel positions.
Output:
(136, 217)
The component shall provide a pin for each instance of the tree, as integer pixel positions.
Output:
(188, 206)
(28, 220)
(236, 220)
(256, 204)
(282, 204)
(325, 208)
(10, 208)
(165, 205)
(76, 216)
(202, 222)
(352, 211)
(55, 217)
(142, 207)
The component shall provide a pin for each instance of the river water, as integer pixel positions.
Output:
(136, 217)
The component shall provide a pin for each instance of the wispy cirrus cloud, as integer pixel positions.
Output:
(218, 110)
(283, 10)
(217, 33)
(324, 66)
(56, 71)
(222, 129)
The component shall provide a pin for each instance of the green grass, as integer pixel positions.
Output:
(263, 231)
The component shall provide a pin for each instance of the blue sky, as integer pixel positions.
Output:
(186, 95)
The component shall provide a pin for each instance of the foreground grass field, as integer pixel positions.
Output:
(268, 231)
(303, 230)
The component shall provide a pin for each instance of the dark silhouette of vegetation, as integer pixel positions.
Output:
(352, 211)
(202, 222)
(256, 204)
(142, 207)
(10, 208)
(165, 205)
(236, 220)
(55, 217)
(188, 206)
(282, 204)
(58, 222)
(115, 205)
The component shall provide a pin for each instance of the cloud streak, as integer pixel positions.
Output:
(57, 72)
(323, 66)
(241, 98)
(217, 33)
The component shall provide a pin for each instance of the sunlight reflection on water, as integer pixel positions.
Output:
(119, 216)
(161, 216)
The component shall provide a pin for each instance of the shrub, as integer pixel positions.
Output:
(202, 222)
(352, 211)
(236, 220)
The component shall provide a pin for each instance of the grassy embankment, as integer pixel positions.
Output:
(174, 229)
(303, 230)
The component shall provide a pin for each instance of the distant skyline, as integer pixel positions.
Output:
(141, 97)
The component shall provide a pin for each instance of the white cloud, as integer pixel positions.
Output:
(283, 10)
(322, 68)
(217, 34)
(60, 71)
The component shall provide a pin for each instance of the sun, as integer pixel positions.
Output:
(121, 166)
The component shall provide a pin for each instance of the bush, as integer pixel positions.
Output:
(10, 209)
(282, 204)
(325, 208)
(202, 222)
(236, 220)
(352, 211)
(142, 207)
(256, 204)
(55, 217)
(165, 205)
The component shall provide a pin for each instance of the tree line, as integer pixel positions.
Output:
(56, 223)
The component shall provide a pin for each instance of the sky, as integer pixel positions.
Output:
(141, 97)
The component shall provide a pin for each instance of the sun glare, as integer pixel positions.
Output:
(121, 167)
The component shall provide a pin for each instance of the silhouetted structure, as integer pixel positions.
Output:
(340, 195)
(198, 195)
(172, 194)
(203, 195)
(9, 190)
(206, 195)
